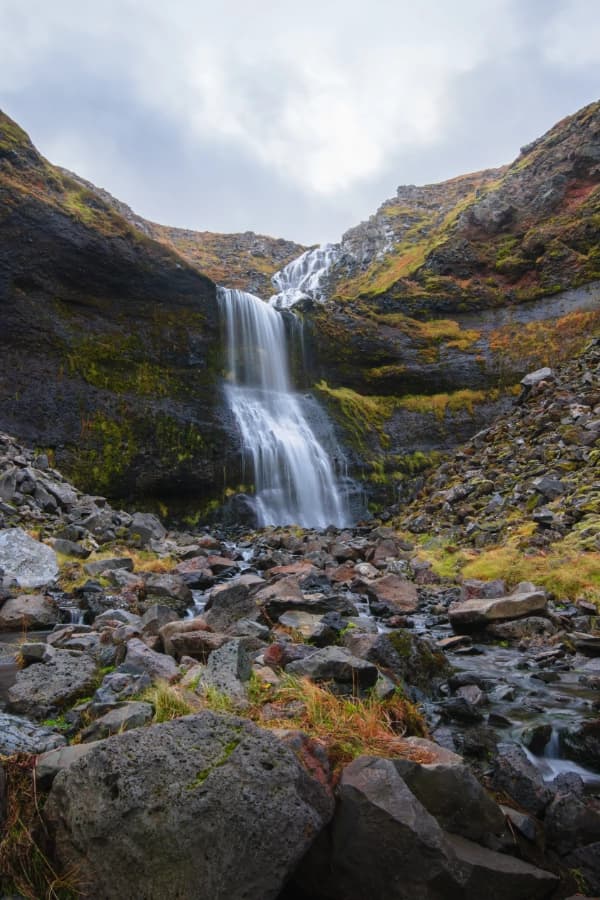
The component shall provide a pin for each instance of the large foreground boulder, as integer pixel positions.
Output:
(28, 562)
(205, 806)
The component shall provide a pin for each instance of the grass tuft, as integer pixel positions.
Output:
(25, 868)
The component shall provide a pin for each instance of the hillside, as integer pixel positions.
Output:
(441, 301)
(110, 340)
(239, 260)
(526, 230)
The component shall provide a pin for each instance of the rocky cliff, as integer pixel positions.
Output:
(110, 340)
(441, 301)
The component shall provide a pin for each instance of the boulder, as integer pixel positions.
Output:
(123, 683)
(128, 715)
(155, 617)
(156, 665)
(348, 673)
(144, 528)
(28, 612)
(171, 590)
(470, 615)
(520, 779)
(97, 566)
(18, 735)
(409, 658)
(30, 563)
(168, 631)
(229, 602)
(229, 668)
(197, 644)
(582, 743)
(43, 689)
(383, 844)
(224, 810)
(452, 794)
(395, 591)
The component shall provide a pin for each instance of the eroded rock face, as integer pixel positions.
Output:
(222, 809)
(17, 735)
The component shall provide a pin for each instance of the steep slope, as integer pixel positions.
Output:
(523, 231)
(441, 302)
(109, 339)
(244, 260)
(526, 491)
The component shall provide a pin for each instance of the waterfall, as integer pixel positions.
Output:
(294, 478)
(303, 277)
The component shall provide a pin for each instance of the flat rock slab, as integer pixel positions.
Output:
(473, 614)
(18, 735)
(30, 563)
(43, 689)
(205, 806)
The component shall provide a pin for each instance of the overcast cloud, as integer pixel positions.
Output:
(292, 119)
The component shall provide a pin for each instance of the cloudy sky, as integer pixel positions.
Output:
(292, 119)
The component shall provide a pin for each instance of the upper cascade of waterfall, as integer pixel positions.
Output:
(297, 481)
(303, 277)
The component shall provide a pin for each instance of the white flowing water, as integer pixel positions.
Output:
(303, 277)
(294, 478)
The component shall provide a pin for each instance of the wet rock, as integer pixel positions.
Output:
(582, 743)
(28, 612)
(18, 735)
(459, 709)
(28, 562)
(349, 674)
(570, 822)
(409, 658)
(132, 714)
(521, 628)
(43, 689)
(199, 821)
(536, 737)
(520, 779)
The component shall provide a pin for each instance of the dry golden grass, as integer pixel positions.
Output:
(25, 868)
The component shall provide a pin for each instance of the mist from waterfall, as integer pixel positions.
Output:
(295, 479)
